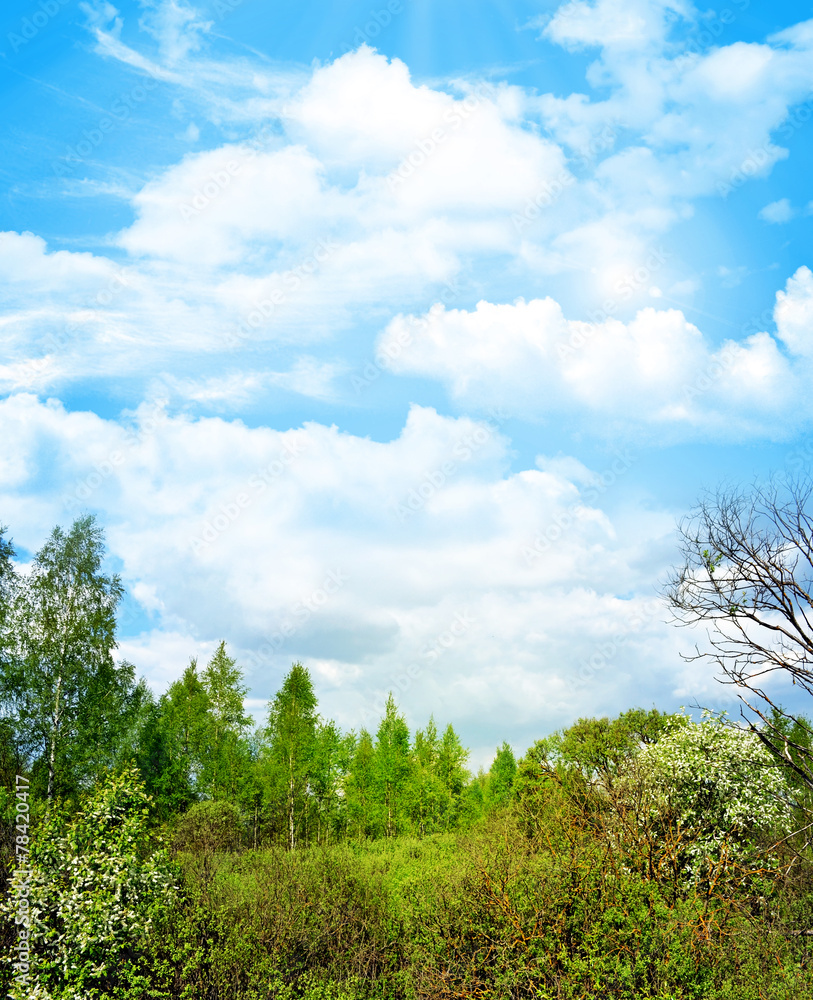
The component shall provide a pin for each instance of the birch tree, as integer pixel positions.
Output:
(60, 683)
(291, 740)
(227, 752)
(392, 764)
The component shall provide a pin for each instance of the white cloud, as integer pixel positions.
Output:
(176, 27)
(777, 212)
(794, 313)
(224, 531)
(693, 123)
(612, 24)
(657, 370)
(363, 191)
(161, 655)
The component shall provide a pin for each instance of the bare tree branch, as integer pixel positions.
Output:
(747, 574)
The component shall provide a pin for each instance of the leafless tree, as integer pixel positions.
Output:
(747, 575)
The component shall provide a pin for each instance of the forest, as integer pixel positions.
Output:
(168, 847)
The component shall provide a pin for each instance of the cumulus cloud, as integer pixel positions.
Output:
(694, 121)
(794, 313)
(657, 369)
(356, 192)
(415, 564)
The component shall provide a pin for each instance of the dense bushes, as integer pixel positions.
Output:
(489, 915)
(89, 894)
(584, 883)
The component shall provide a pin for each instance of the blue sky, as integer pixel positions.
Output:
(396, 339)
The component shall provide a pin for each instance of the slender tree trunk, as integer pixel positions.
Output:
(291, 811)
(57, 720)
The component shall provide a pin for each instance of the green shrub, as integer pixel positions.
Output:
(208, 827)
(96, 890)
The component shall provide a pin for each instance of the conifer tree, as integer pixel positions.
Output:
(162, 766)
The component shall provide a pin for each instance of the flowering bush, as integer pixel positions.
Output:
(717, 790)
(95, 891)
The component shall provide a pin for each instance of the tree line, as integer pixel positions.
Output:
(69, 714)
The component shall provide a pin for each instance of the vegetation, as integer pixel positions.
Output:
(168, 849)
(748, 576)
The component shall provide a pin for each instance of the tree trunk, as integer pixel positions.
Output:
(291, 813)
(57, 720)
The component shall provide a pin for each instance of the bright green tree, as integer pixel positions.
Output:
(182, 730)
(291, 742)
(500, 777)
(359, 786)
(162, 767)
(426, 796)
(795, 735)
(437, 779)
(392, 766)
(226, 761)
(600, 748)
(472, 800)
(452, 772)
(329, 763)
(60, 684)
(8, 578)
(13, 759)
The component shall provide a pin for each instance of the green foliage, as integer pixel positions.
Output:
(310, 923)
(181, 730)
(436, 781)
(793, 736)
(70, 704)
(391, 768)
(163, 768)
(291, 739)
(570, 921)
(500, 778)
(329, 761)
(208, 827)
(8, 579)
(225, 760)
(637, 857)
(588, 756)
(359, 787)
(599, 749)
(96, 890)
(483, 915)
